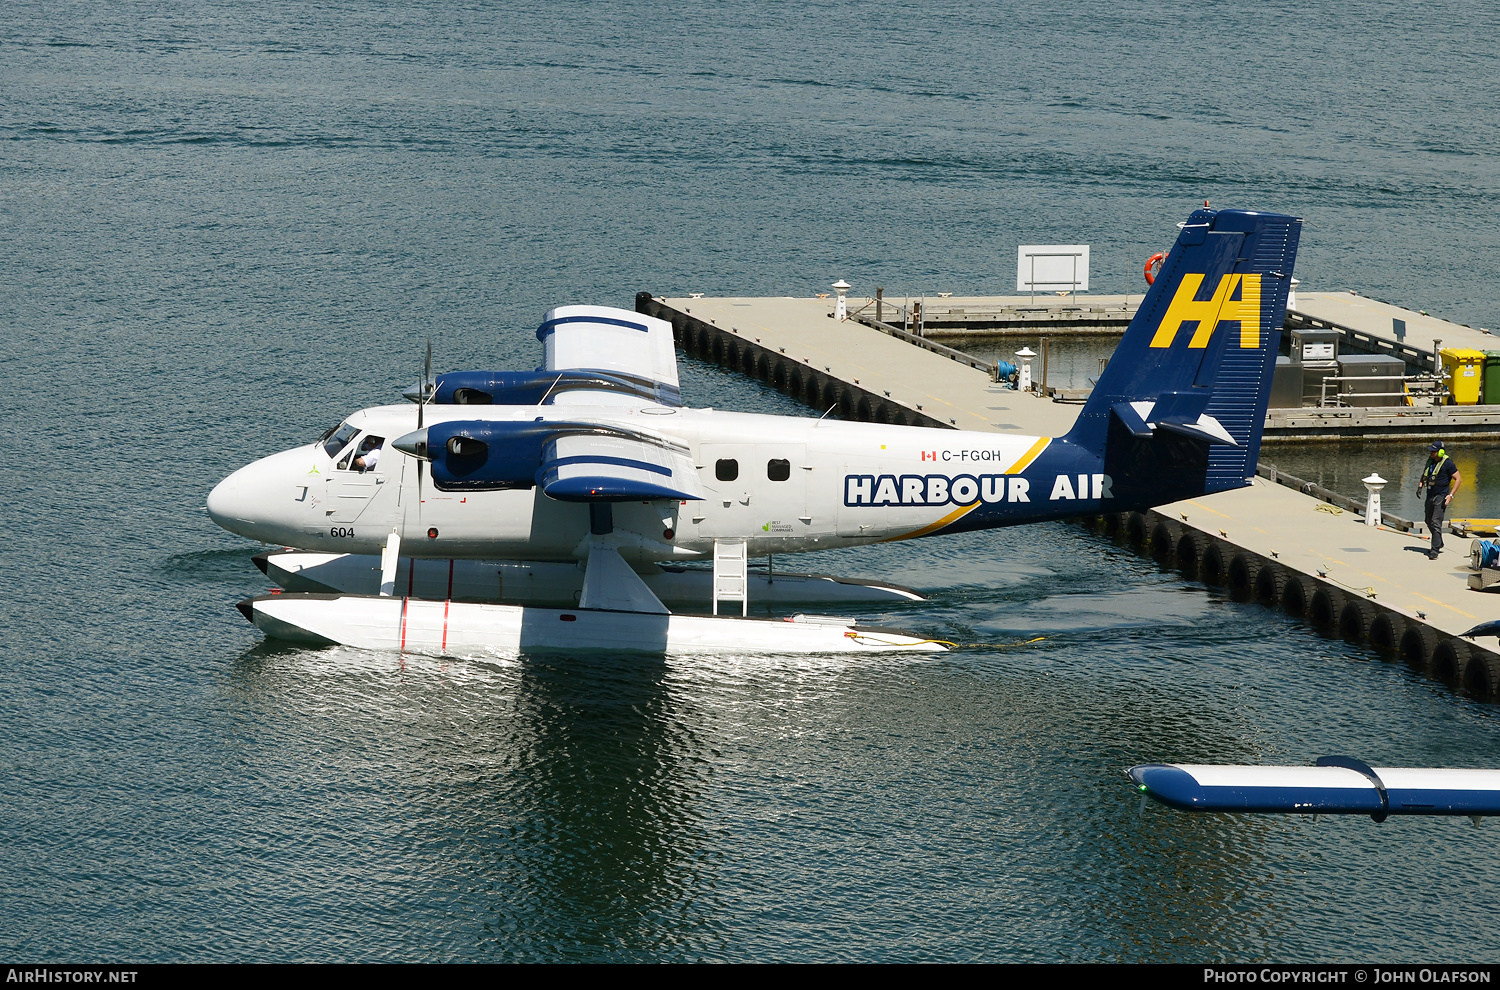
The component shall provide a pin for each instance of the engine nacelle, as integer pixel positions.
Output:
(483, 456)
(572, 461)
(535, 388)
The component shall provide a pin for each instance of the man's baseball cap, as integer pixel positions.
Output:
(1436, 445)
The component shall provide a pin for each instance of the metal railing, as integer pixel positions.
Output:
(952, 354)
(926, 309)
(1412, 387)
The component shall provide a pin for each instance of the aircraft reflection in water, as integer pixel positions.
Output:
(587, 481)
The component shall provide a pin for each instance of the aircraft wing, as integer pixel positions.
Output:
(1337, 785)
(631, 346)
(602, 468)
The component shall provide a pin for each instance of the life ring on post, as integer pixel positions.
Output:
(1153, 266)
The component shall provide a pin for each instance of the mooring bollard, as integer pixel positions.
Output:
(1373, 484)
(841, 308)
(1025, 354)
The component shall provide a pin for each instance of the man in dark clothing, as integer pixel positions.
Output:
(1441, 481)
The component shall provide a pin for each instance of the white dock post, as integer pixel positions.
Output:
(1025, 354)
(841, 308)
(1373, 484)
(731, 574)
(390, 557)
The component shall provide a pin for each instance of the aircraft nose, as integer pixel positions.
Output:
(257, 501)
(228, 504)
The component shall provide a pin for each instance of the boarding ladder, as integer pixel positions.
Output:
(731, 574)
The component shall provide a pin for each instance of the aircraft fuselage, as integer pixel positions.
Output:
(784, 484)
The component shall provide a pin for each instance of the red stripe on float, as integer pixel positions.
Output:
(403, 624)
(446, 603)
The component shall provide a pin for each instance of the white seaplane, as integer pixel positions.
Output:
(555, 509)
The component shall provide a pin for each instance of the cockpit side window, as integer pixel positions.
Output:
(336, 440)
(369, 453)
(362, 456)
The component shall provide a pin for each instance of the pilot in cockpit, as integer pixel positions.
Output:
(369, 454)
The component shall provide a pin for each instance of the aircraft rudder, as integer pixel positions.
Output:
(1205, 337)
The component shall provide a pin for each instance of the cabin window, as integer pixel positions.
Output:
(336, 439)
(778, 469)
(727, 469)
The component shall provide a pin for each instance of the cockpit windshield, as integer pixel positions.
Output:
(335, 440)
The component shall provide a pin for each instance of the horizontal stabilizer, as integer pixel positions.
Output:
(1205, 428)
(1142, 419)
(1131, 416)
(600, 468)
(1337, 785)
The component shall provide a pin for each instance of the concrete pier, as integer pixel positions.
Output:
(1288, 549)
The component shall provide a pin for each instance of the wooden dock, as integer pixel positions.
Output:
(1268, 542)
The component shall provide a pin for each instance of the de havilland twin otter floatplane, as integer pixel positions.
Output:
(516, 511)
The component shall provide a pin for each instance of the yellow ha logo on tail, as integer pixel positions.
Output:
(1209, 313)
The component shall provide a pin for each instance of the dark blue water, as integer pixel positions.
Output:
(227, 225)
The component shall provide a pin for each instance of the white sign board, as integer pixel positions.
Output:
(1052, 268)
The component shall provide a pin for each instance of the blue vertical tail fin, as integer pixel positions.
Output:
(1180, 408)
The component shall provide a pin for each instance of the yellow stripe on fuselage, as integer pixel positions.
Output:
(956, 514)
(1032, 453)
(1029, 456)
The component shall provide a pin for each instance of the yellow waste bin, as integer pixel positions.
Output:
(1463, 371)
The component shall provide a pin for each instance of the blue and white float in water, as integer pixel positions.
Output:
(1337, 785)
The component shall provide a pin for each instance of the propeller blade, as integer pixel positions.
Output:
(426, 377)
